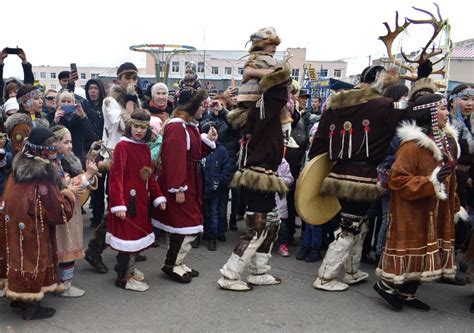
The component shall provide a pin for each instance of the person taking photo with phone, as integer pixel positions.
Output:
(9, 88)
(71, 115)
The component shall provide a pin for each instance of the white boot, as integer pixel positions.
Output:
(135, 285)
(353, 278)
(72, 291)
(137, 275)
(329, 285)
(231, 271)
(259, 268)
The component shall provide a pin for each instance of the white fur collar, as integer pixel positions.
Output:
(180, 120)
(409, 131)
(126, 139)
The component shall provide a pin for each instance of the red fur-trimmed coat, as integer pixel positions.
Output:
(181, 171)
(131, 170)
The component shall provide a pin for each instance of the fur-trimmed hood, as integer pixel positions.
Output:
(345, 99)
(23, 118)
(16, 119)
(409, 131)
(27, 170)
(72, 165)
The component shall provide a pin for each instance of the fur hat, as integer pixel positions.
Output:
(263, 37)
(278, 77)
(126, 67)
(191, 67)
(369, 74)
(420, 87)
(190, 101)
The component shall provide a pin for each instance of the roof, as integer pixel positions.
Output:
(463, 53)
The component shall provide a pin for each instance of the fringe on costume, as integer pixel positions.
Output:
(259, 179)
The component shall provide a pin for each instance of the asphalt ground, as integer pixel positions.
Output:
(292, 306)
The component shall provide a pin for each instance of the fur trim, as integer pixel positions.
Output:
(68, 193)
(30, 297)
(26, 170)
(279, 76)
(461, 215)
(237, 117)
(347, 189)
(267, 181)
(425, 83)
(42, 122)
(72, 165)
(345, 99)
(145, 173)
(409, 131)
(16, 119)
(439, 188)
(119, 94)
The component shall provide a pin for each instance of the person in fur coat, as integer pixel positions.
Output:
(32, 205)
(423, 206)
(355, 131)
(70, 236)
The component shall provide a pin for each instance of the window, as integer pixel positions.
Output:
(83, 76)
(200, 68)
(52, 75)
(228, 71)
(337, 73)
(175, 67)
(94, 75)
(240, 71)
(42, 75)
(295, 74)
(215, 70)
(323, 73)
(53, 86)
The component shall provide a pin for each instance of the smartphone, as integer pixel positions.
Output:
(10, 50)
(68, 108)
(73, 67)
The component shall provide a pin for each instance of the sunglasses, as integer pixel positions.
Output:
(50, 98)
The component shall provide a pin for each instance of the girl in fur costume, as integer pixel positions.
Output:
(70, 236)
(423, 206)
(133, 186)
(31, 207)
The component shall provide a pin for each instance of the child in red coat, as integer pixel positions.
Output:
(132, 188)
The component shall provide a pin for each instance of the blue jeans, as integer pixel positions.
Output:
(382, 236)
(215, 210)
(313, 236)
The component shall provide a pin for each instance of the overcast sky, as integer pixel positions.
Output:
(98, 33)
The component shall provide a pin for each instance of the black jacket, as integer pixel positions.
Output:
(28, 78)
(93, 111)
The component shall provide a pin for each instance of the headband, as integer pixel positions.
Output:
(429, 105)
(60, 133)
(31, 95)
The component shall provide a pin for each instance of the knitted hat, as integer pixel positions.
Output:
(190, 101)
(126, 67)
(159, 86)
(11, 106)
(263, 37)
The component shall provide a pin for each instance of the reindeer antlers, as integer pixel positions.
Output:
(438, 25)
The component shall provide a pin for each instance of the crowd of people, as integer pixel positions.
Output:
(155, 164)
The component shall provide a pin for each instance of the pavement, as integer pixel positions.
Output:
(293, 306)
